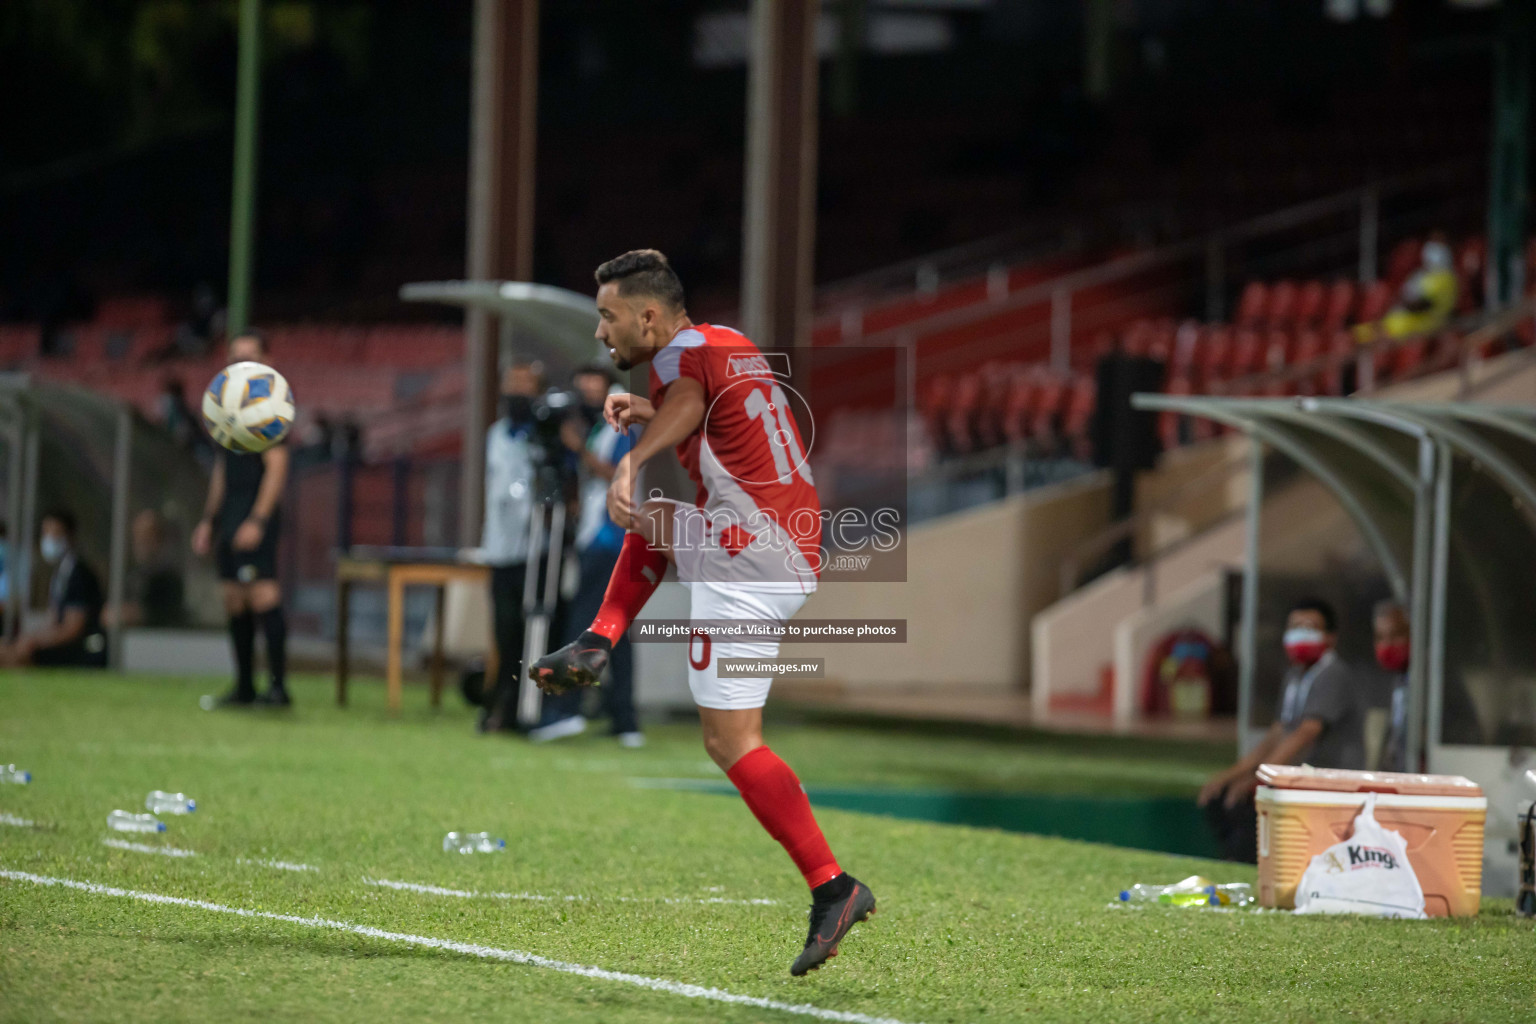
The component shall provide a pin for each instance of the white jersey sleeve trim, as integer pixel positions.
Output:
(668, 362)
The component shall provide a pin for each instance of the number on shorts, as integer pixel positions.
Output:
(702, 661)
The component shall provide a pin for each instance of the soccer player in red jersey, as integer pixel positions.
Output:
(749, 548)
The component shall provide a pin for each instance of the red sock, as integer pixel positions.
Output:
(635, 578)
(773, 792)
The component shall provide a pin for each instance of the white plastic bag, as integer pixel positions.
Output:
(1368, 873)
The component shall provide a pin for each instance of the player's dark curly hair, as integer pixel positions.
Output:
(1322, 608)
(643, 272)
(65, 518)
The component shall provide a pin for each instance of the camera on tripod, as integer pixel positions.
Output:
(554, 470)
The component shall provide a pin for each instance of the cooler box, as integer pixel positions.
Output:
(1303, 811)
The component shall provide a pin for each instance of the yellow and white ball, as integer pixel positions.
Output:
(248, 407)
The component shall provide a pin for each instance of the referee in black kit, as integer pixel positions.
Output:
(240, 525)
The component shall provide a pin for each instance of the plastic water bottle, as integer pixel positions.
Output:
(10, 773)
(161, 802)
(472, 842)
(1193, 891)
(126, 821)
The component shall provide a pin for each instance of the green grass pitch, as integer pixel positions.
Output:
(973, 924)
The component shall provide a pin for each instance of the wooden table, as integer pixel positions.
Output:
(396, 569)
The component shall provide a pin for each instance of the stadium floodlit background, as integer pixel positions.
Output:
(978, 228)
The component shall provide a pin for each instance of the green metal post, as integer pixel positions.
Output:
(1511, 146)
(243, 208)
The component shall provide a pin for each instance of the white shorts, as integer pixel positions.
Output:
(722, 601)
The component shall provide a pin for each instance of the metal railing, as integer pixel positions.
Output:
(1208, 259)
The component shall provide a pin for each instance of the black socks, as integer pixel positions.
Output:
(837, 889)
(242, 636)
(275, 627)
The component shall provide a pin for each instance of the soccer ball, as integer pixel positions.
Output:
(248, 407)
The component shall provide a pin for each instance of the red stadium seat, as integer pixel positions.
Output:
(1277, 347)
(1282, 304)
(1019, 411)
(1341, 301)
(1253, 306)
(1078, 416)
(1213, 360)
(1374, 302)
(1403, 261)
(1137, 339)
(1311, 302)
(1247, 353)
(1048, 403)
(959, 422)
(1307, 348)
(1471, 268)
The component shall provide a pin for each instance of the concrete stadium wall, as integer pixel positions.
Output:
(974, 581)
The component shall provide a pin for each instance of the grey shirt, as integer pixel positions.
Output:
(1326, 691)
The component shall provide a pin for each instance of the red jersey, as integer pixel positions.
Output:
(747, 457)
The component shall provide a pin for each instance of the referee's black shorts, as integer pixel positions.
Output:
(259, 563)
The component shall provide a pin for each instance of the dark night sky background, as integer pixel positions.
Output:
(115, 162)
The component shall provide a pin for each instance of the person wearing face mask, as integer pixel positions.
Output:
(1319, 722)
(73, 636)
(510, 500)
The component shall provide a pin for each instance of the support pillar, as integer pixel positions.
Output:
(779, 228)
(503, 136)
(1510, 157)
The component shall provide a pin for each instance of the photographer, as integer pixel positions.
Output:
(517, 447)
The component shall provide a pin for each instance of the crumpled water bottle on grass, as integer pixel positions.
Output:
(1194, 891)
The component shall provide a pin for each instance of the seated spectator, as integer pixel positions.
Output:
(1426, 300)
(1320, 722)
(156, 593)
(73, 636)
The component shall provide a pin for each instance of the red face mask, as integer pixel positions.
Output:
(1304, 646)
(1392, 655)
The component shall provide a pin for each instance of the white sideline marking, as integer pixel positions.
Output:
(164, 851)
(280, 865)
(468, 949)
(11, 819)
(471, 894)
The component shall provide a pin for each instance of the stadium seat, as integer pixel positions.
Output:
(1374, 302)
(1019, 409)
(1247, 353)
(1471, 269)
(1277, 346)
(1283, 300)
(1213, 355)
(1253, 306)
(1403, 261)
(1042, 427)
(1311, 302)
(1308, 348)
(1341, 302)
(1078, 415)
(959, 420)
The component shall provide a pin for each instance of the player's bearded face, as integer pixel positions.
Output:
(618, 326)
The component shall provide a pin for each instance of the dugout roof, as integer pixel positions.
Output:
(1444, 495)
